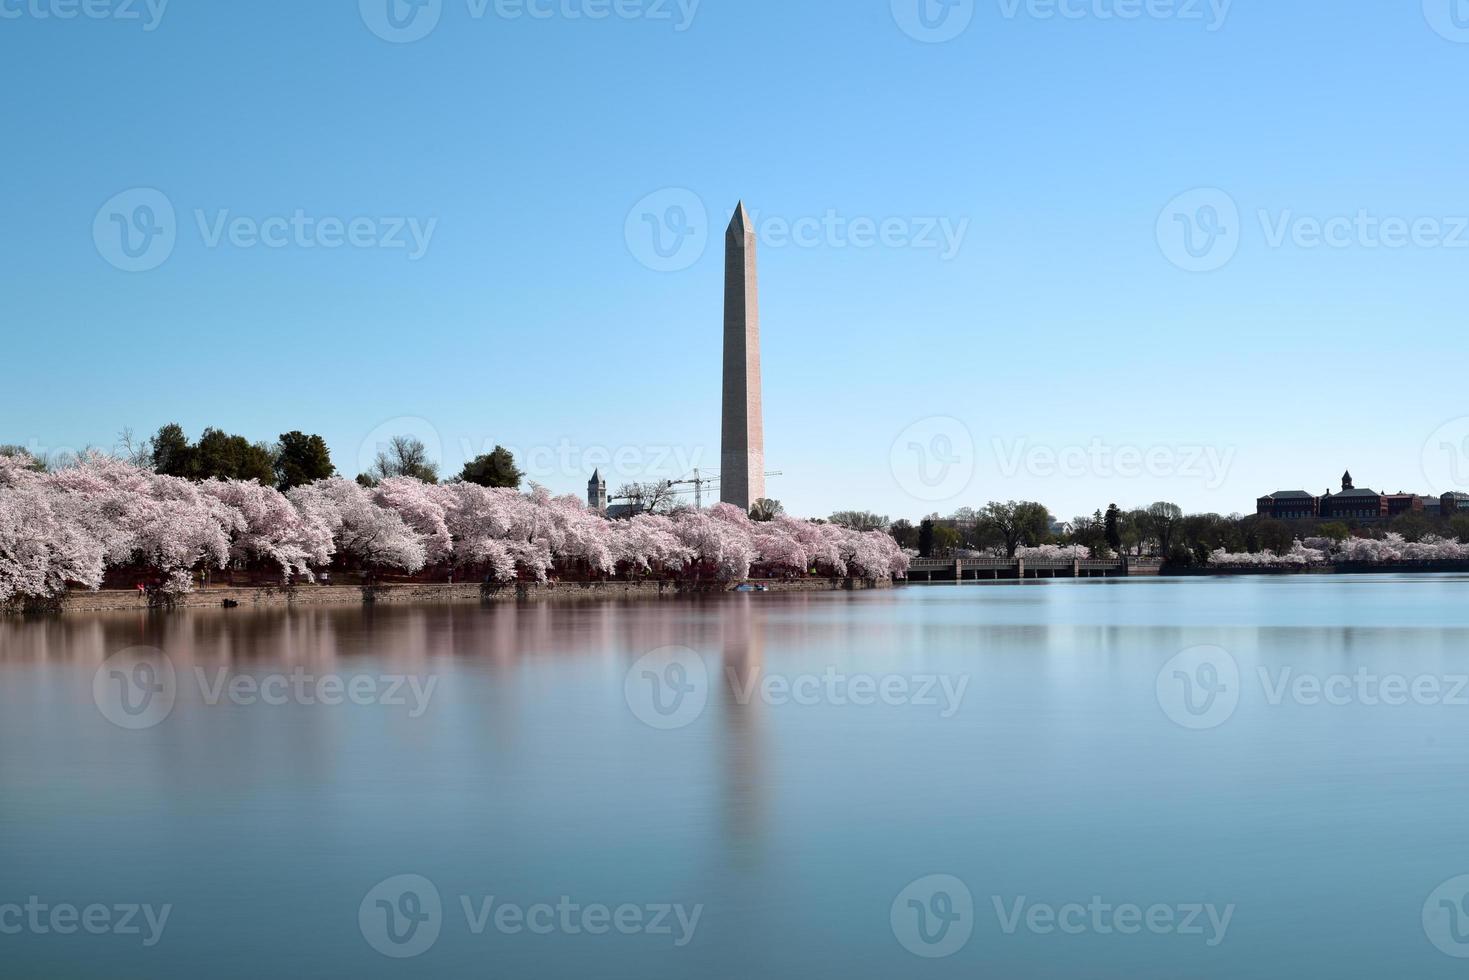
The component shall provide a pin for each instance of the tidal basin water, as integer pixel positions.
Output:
(1246, 777)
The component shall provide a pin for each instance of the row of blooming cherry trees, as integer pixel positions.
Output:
(1388, 549)
(66, 528)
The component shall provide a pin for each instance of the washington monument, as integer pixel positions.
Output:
(742, 453)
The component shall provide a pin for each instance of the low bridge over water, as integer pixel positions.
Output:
(980, 569)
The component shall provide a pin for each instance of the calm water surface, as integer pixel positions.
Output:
(1042, 744)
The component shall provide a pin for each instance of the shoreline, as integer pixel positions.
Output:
(431, 593)
(438, 592)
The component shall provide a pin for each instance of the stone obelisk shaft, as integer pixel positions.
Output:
(742, 456)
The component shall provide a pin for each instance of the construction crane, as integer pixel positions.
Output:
(700, 482)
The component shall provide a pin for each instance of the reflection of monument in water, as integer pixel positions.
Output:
(743, 785)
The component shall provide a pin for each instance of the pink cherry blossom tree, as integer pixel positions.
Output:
(374, 536)
(44, 545)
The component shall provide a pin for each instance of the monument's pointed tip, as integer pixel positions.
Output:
(741, 219)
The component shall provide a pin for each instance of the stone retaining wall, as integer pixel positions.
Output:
(443, 592)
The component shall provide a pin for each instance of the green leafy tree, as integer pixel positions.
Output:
(766, 509)
(860, 520)
(1112, 527)
(403, 456)
(227, 457)
(171, 452)
(905, 533)
(1276, 536)
(20, 452)
(1017, 523)
(217, 454)
(1164, 519)
(496, 469)
(301, 459)
(926, 539)
(945, 539)
(1459, 524)
(1413, 526)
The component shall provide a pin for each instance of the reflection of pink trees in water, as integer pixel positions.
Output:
(67, 527)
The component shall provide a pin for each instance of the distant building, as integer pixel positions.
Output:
(597, 492)
(1453, 503)
(1352, 503)
(1404, 503)
(597, 500)
(1287, 505)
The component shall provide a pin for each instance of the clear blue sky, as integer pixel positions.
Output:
(529, 320)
